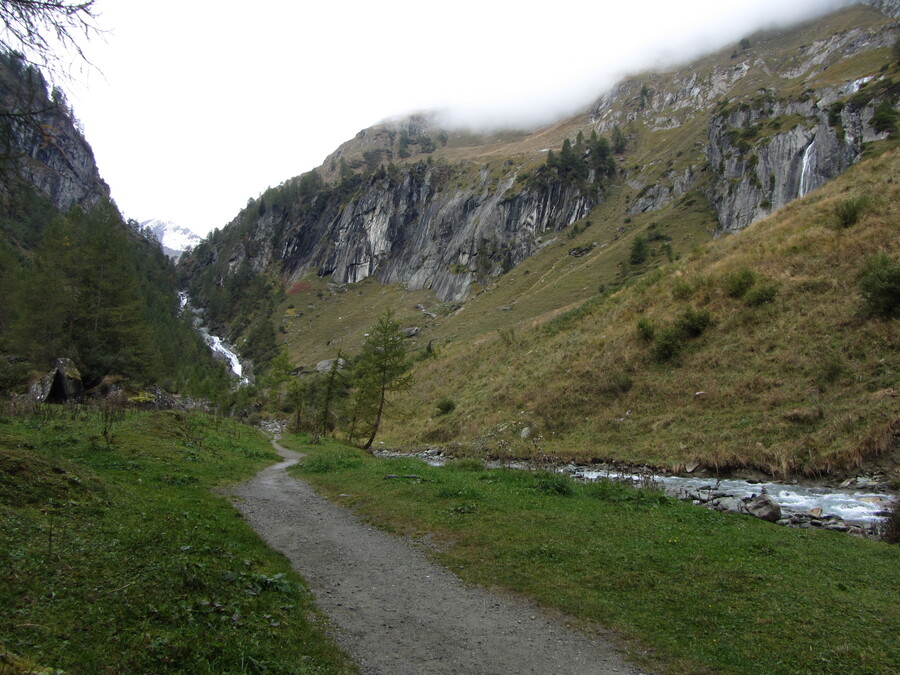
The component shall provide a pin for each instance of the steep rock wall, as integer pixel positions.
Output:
(41, 142)
(758, 170)
(423, 232)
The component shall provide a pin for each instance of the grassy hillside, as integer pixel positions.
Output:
(117, 556)
(756, 350)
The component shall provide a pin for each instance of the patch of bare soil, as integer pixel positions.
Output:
(394, 610)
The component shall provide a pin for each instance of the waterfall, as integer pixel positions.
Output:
(217, 345)
(807, 170)
(214, 342)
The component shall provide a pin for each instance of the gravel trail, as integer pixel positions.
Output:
(398, 613)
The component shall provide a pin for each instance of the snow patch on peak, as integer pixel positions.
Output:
(175, 239)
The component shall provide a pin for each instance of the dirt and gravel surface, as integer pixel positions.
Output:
(394, 611)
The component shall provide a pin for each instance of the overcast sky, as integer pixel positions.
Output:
(195, 106)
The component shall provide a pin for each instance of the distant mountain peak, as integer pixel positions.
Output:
(175, 239)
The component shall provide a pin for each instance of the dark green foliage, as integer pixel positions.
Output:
(850, 210)
(619, 140)
(645, 329)
(554, 484)
(737, 283)
(446, 406)
(574, 164)
(668, 343)
(638, 253)
(884, 120)
(601, 156)
(693, 322)
(880, 285)
(760, 295)
(382, 367)
(834, 113)
(95, 290)
(403, 145)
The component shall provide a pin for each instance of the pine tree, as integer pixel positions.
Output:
(382, 367)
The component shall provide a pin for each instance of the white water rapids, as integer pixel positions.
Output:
(852, 505)
(216, 344)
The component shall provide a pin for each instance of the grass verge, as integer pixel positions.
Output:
(703, 591)
(119, 557)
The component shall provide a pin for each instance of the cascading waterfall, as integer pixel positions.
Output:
(215, 343)
(807, 168)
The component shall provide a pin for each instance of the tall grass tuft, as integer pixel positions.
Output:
(850, 210)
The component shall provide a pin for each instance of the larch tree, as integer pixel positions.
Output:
(381, 368)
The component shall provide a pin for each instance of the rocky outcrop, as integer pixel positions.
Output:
(442, 227)
(766, 153)
(420, 226)
(42, 145)
(61, 384)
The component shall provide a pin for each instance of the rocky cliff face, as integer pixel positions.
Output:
(758, 170)
(423, 226)
(41, 143)
(772, 123)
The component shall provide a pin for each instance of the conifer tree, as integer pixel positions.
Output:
(382, 367)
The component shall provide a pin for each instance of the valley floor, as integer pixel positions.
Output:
(395, 611)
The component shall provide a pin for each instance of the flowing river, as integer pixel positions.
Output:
(862, 502)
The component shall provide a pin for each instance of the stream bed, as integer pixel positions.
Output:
(858, 506)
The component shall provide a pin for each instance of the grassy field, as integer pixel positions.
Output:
(691, 590)
(119, 557)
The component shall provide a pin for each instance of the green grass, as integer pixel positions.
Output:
(123, 559)
(697, 590)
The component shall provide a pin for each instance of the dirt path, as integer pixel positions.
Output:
(398, 613)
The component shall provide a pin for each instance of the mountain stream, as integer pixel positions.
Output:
(860, 501)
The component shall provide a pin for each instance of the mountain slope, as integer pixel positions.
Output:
(75, 280)
(759, 350)
(707, 148)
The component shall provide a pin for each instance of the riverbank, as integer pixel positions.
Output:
(856, 505)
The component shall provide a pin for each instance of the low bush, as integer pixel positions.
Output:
(880, 285)
(668, 344)
(760, 295)
(739, 282)
(645, 329)
(850, 210)
(554, 483)
(693, 322)
(446, 406)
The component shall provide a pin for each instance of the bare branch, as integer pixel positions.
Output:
(46, 32)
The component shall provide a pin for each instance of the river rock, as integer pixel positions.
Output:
(733, 504)
(763, 507)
